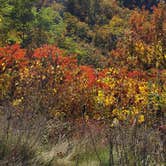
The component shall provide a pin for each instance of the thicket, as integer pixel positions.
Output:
(71, 70)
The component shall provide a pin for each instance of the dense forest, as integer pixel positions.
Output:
(82, 82)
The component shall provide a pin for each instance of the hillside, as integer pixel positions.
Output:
(82, 82)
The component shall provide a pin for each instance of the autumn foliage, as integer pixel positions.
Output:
(58, 86)
(81, 76)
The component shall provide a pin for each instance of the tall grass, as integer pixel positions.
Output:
(20, 140)
(82, 144)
